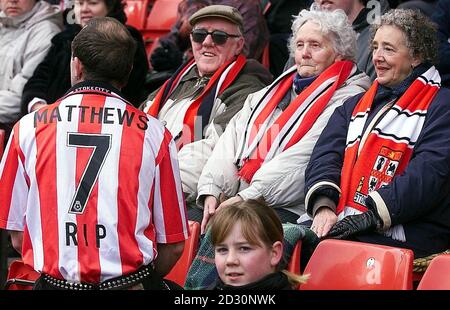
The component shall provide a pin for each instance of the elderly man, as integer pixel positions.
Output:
(203, 95)
(26, 28)
(255, 31)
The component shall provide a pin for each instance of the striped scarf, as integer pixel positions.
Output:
(261, 141)
(201, 106)
(373, 157)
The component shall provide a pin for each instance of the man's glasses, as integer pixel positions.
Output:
(219, 37)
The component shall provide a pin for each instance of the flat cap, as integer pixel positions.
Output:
(221, 11)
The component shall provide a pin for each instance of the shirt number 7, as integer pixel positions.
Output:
(101, 143)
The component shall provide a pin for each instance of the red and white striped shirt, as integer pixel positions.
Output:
(94, 184)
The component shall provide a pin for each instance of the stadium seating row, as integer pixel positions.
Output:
(153, 18)
(334, 265)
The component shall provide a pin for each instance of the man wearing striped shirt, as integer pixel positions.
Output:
(89, 186)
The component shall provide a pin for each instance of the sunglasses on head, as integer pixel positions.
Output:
(219, 37)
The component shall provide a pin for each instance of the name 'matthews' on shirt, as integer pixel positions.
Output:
(90, 114)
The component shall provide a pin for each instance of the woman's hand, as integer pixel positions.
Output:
(324, 219)
(230, 201)
(209, 208)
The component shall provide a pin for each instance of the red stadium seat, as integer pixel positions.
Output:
(20, 276)
(2, 142)
(437, 275)
(294, 262)
(159, 21)
(136, 11)
(162, 15)
(348, 265)
(179, 271)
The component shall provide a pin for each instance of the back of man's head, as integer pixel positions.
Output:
(106, 49)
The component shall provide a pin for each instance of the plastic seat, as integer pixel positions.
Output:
(136, 11)
(348, 265)
(179, 271)
(2, 142)
(20, 276)
(162, 15)
(159, 21)
(294, 261)
(437, 275)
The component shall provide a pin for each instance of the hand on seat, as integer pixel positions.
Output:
(355, 224)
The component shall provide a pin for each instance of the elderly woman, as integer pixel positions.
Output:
(26, 28)
(265, 149)
(382, 164)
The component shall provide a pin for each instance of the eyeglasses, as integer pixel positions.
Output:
(219, 37)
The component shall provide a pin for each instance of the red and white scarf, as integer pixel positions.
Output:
(261, 141)
(221, 79)
(372, 158)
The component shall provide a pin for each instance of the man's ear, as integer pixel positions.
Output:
(79, 69)
(76, 71)
(240, 45)
(277, 253)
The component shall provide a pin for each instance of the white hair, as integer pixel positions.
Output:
(333, 24)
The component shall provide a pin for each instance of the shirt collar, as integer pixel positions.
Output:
(95, 86)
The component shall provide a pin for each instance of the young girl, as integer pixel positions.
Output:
(248, 241)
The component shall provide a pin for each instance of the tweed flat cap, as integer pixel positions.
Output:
(221, 11)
